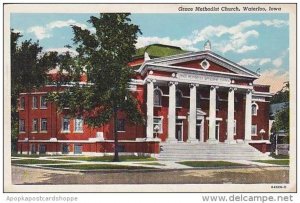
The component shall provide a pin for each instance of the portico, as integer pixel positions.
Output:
(194, 97)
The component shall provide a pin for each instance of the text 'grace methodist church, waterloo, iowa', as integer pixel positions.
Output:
(197, 105)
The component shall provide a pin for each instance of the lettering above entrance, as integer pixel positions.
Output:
(202, 78)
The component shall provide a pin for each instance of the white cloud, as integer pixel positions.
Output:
(273, 78)
(264, 61)
(39, 31)
(67, 23)
(18, 31)
(234, 38)
(254, 61)
(277, 62)
(276, 23)
(183, 43)
(42, 32)
(63, 50)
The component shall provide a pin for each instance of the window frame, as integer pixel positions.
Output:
(23, 130)
(34, 102)
(35, 130)
(41, 126)
(22, 103)
(123, 129)
(62, 125)
(161, 123)
(255, 129)
(76, 130)
(256, 109)
(160, 97)
(42, 106)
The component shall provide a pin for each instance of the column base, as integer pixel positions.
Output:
(230, 142)
(193, 141)
(247, 141)
(152, 139)
(212, 141)
(171, 140)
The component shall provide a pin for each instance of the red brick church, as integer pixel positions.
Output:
(187, 97)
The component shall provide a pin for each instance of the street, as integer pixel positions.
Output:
(255, 175)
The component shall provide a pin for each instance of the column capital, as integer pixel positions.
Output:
(232, 89)
(172, 83)
(193, 85)
(149, 80)
(249, 91)
(214, 87)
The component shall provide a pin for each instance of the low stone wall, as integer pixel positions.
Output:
(263, 147)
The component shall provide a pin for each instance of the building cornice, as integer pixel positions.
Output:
(199, 55)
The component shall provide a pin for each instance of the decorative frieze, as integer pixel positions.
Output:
(203, 78)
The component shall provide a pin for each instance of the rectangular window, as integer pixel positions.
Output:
(34, 102)
(34, 125)
(22, 103)
(121, 125)
(254, 130)
(43, 102)
(157, 125)
(78, 127)
(66, 125)
(44, 124)
(22, 125)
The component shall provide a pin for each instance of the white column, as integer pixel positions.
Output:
(248, 115)
(193, 113)
(212, 115)
(230, 117)
(150, 91)
(172, 112)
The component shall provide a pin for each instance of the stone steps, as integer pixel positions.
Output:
(205, 151)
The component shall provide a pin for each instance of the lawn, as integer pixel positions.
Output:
(280, 156)
(108, 158)
(153, 163)
(282, 162)
(37, 161)
(209, 163)
(97, 166)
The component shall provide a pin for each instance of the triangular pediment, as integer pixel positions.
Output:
(207, 61)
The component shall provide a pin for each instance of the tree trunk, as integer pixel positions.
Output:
(116, 157)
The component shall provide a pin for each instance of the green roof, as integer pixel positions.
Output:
(158, 50)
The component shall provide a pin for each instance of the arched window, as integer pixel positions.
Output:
(254, 108)
(178, 98)
(157, 97)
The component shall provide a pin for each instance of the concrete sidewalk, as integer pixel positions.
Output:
(147, 164)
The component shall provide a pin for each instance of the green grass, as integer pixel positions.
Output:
(97, 166)
(282, 162)
(37, 161)
(153, 163)
(108, 158)
(209, 163)
(280, 156)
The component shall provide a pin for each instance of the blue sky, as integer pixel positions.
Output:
(252, 40)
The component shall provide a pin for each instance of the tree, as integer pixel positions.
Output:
(103, 57)
(282, 122)
(282, 95)
(29, 67)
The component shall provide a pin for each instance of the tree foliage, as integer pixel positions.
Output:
(282, 95)
(282, 117)
(29, 67)
(103, 56)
